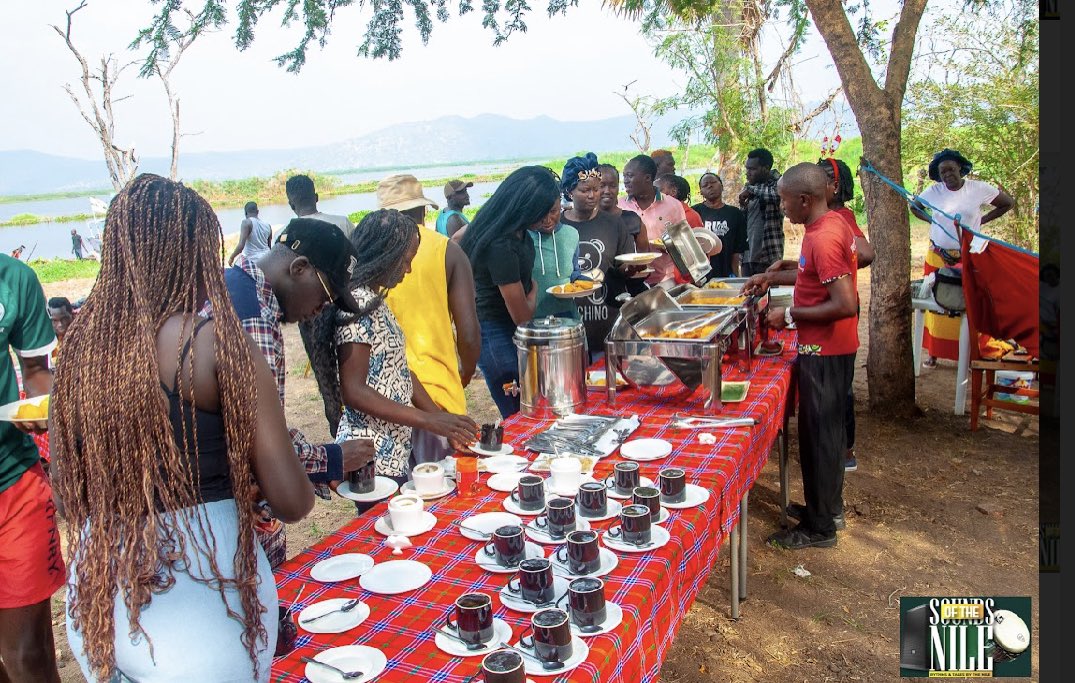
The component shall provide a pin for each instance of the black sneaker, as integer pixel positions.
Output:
(800, 538)
(851, 464)
(796, 512)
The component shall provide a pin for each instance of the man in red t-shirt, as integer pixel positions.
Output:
(825, 313)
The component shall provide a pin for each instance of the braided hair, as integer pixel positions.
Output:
(381, 239)
(132, 523)
(845, 181)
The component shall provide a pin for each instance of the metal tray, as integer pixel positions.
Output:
(653, 326)
(710, 298)
(682, 245)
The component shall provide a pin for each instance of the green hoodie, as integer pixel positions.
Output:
(555, 263)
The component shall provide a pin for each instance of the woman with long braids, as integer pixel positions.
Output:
(165, 430)
(502, 257)
(382, 398)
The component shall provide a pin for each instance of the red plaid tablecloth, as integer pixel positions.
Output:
(655, 589)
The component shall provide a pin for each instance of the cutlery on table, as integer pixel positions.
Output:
(346, 607)
(347, 675)
(548, 666)
(471, 529)
(291, 607)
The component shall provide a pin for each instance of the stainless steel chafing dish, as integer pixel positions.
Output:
(754, 309)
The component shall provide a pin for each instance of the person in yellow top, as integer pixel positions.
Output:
(436, 296)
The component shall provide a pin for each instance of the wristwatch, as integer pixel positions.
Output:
(787, 316)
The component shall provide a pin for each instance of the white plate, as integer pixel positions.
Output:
(395, 576)
(571, 295)
(559, 588)
(503, 463)
(536, 533)
(613, 618)
(643, 273)
(597, 379)
(566, 492)
(505, 481)
(609, 561)
(696, 495)
(341, 567)
(579, 652)
(663, 517)
(429, 520)
(638, 258)
(409, 488)
(645, 449)
(501, 634)
(369, 661)
(611, 490)
(333, 623)
(541, 463)
(487, 523)
(383, 487)
(511, 506)
(707, 239)
(505, 449)
(613, 510)
(533, 552)
(7, 411)
(659, 537)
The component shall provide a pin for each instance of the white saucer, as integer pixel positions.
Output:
(566, 492)
(609, 561)
(613, 618)
(333, 623)
(505, 481)
(511, 506)
(369, 661)
(429, 520)
(487, 523)
(341, 567)
(663, 517)
(644, 450)
(659, 537)
(559, 587)
(482, 559)
(579, 652)
(505, 449)
(696, 495)
(535, 533)
(504, 463)
(408, 487)
(383, 487)
(613, 509)
(501, 634)
(395, 576)
(611, 490)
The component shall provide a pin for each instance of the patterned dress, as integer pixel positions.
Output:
(389, 375)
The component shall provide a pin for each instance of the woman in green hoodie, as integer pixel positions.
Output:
(556, 262)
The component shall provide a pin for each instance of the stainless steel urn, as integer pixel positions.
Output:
(552, 367)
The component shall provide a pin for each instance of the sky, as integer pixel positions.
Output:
(566, 67)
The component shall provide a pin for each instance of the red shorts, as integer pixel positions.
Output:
(31, 566)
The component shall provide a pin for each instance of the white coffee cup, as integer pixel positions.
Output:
(405, 513)
(566, 474)
(428, 478)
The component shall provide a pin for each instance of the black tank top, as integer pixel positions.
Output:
(211, 457)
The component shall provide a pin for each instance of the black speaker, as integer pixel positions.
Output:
(914, 639)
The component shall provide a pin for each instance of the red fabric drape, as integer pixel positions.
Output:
(1000, 286)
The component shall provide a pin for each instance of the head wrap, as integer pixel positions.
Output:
(576, 169)
(948, 155)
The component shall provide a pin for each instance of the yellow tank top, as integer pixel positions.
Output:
(420, 304)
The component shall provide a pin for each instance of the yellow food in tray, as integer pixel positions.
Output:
(33, 411)
(574, 287)
(717, 284)
(700, 298)
(703, 332)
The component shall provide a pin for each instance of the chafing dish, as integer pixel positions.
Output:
(754, 309)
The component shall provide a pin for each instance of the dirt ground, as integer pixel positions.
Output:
(933, 509)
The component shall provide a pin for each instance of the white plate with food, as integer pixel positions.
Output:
(35, 409)
(573, 290)
(639, 258)
(541, 462)
(597, 378)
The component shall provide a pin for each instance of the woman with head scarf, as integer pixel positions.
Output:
(954, 194)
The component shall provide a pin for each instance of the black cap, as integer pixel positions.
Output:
(328, 250)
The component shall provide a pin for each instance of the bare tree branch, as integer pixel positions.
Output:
(818, 110)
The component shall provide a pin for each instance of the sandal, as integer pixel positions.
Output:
(930, 362)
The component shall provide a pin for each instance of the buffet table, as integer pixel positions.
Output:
(655, 589)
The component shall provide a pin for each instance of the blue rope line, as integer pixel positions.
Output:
(911, 199)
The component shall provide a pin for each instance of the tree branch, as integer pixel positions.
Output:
(903, 39)
(831, 21)
(818, 110)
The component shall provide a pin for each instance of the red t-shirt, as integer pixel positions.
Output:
(694, 219)
(828, 253)
(849, 216)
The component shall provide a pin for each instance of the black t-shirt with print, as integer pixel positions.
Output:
(601, 240)
(505, 261)
(730, 225)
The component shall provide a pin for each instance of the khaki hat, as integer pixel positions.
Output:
(454, 186)
(401, 192)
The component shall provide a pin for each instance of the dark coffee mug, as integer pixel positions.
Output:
(592, 499)
(473, 618)
(534, 582)
(586, 601)
(508, 546)
(582, 554)
(363, 479)
(673, 485)
(504, 666)
(492, 437)
(550, 636)
(634, 528)
(530, 493)
(651, 498)
(287, 631)
(624, 479)
(559, 517)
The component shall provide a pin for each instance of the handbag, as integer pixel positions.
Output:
(948, 289)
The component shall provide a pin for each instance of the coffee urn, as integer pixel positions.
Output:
(552, 367)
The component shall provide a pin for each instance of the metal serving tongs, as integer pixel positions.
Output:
(693, 324)
(684, 421)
